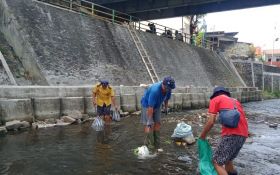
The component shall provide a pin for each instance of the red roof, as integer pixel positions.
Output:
(277, 64)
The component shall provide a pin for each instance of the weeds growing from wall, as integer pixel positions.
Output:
(270, 95)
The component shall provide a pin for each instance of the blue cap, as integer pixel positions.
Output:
(219, 89)
(169, 82)
(104, 82)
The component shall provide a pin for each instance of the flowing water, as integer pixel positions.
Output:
(75, 149)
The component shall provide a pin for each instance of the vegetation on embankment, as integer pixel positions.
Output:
(270, 95)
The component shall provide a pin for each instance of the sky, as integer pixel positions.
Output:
(259, 26)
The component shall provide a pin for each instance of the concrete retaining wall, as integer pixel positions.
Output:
(47, 108)
(256, 74)
(38, 103)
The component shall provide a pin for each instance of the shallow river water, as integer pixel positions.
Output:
(74, 149)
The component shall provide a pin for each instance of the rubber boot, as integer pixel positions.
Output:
(157, 139)
(232, 173)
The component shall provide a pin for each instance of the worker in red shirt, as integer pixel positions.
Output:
(232, 139)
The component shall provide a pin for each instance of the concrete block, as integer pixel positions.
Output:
(71, 91)
(258, 94)
(239, 96)
(207, 96)
(252, 96)
(128, 102)
(244, 96)
(47, 108)
(198, 101)
(88, 91)
(118, 100)
(16, 109)
(180, 90)
(89, 108)
(233, 94)
(18, 92)
(70, 104)
(200, 89)
(171, 101)
(138, 101)
(127, 90)
(178, 101)
(186, 101)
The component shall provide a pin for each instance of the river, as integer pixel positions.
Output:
(74, 149)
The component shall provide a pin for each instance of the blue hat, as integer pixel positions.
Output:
(169, 82)
(104, 82)
(219, 89)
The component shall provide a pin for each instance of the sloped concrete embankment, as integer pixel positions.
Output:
(15, 33)
(41, 102)
(4, 78)
(188, 64)
(68, 48)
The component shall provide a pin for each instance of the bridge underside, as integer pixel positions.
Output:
(156, 9)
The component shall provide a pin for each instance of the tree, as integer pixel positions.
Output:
(252, 51)
(194, 21)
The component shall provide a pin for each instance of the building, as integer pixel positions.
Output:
(272, 57)
(221, 39)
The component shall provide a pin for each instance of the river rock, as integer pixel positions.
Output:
(273, 125)
(25, 125)
(61, 123)
(68, 119)
(13, 125)
(136, 113)
(3, 130)
(75, 114)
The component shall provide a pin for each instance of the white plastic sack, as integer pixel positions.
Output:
(182, 130)
(143, 151)
(116, 116)
(189, 139)
(98, 124)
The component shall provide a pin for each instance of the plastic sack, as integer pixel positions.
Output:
(116, 116)
(182, 130)
(206, 166)
(189, 139)
(98, 124)
(142, 151)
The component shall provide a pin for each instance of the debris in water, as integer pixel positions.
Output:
(273, 125)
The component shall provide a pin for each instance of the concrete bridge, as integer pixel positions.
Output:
(155, 9)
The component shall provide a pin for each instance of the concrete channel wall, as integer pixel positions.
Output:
(31, 103)
(256, 74)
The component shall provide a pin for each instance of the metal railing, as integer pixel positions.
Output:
(113, 16)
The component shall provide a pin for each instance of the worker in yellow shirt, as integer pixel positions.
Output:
(103, 97)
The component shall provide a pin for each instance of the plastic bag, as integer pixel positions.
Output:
(98, 124)
(182, 130)
(206, 166)
(116, 116)
(142, 151)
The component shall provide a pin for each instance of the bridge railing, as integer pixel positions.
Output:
(113, 16)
